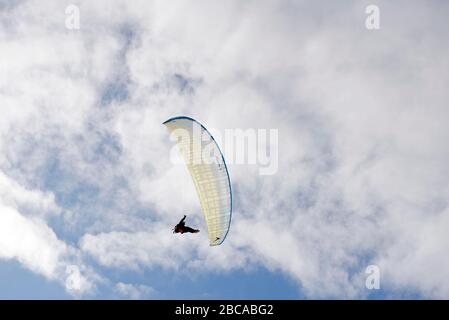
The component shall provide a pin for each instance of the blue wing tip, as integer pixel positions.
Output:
(178, 118)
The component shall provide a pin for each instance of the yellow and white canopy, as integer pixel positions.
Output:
(209, 173)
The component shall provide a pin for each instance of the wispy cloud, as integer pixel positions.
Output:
(134, 292)
(85, 179)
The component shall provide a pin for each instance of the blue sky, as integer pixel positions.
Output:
(89, 194)
(18, 283)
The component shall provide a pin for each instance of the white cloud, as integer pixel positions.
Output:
(133, 292)
(362, 126)
(34, 202)
(29, 241)
(34, 244)
(78, 284)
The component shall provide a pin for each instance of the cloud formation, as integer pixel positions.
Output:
(134, 292)
(85, 179)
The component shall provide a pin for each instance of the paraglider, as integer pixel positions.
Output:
(182, 228)
(207, 167)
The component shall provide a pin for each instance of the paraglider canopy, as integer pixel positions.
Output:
(209, 173)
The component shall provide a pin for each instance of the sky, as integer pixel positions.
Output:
(89, 196)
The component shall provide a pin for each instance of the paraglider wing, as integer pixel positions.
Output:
(209, 173)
